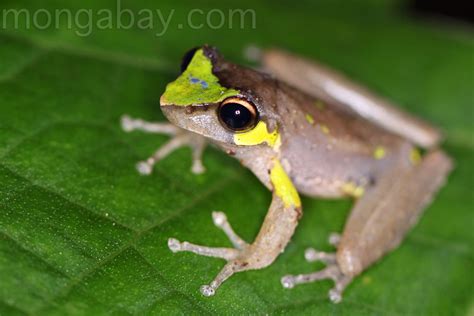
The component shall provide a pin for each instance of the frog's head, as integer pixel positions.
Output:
(229, 104)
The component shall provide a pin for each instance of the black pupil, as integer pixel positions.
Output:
(235, 116)
(187, 58)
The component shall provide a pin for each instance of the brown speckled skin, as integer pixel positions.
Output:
(318, 163)
(319, 157)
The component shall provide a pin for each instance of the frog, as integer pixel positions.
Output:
(301, 128)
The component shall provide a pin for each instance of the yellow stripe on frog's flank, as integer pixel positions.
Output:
(379, 152)
(415, 156)
(258, 135)
(353, 190)
(309, 118)
(324, 129)
(283, 187)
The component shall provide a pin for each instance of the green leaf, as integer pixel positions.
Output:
(81, 233)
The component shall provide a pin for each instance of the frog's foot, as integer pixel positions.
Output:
(179, 139)
(332, 271)
(235, 256)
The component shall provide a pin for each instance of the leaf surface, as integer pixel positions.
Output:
(82, 233)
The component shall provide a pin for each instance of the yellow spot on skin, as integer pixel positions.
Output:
(310, 119)
(320, 105)
(324, 129)
(283, 186)
(353, 190)
(366, 280)
(415, 156)
(277, 144)
(258, 135)
(379, 152)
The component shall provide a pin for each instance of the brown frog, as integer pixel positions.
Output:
(302, 128)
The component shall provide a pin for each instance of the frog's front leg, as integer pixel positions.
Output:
(380, 219)
(179, 139)
(229, 254)
(275, 233)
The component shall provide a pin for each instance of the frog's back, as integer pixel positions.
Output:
(326, 146)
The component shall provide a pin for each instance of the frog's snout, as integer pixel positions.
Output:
(186, 117)
(200, 120)
(163, 101)
(171, 113)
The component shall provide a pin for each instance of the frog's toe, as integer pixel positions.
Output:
(220, 220)
(207, 290)
(225, 253)
(144, 168)
(130, 124)
(179, 138)
(126, 123)
(312, 255)
(174, 245)
(235, 257)
(331, 272)
(198, 167)
(334, 239)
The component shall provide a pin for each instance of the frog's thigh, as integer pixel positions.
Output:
(324, 83)
(381, 218)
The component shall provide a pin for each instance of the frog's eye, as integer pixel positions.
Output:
(238, 114)
(187, 58)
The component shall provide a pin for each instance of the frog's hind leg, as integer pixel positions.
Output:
(179, 139)
(327, 84)
(379, 220)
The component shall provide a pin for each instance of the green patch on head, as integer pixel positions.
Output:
(196, 85)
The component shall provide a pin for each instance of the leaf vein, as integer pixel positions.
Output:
(33, 253)
(133, 240)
